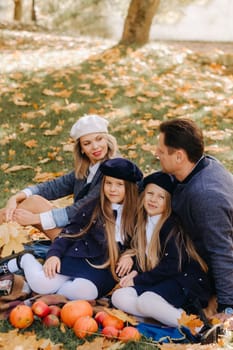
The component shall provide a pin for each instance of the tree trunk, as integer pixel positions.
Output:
(33, 13)
(18, 10)
(138, 21)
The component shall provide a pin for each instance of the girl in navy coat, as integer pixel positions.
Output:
(170, 276)
(84, 260)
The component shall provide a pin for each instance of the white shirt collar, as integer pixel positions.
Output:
(118, 208)
(92, 171)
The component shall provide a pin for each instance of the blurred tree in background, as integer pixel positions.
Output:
(128, 20)
(18, 6)
(138, 21)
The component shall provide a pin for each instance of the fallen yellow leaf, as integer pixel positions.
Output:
(17, 168)
(31, 143)
(190, 321)
(122, 316)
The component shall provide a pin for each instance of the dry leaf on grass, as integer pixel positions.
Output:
(12, 237)
(34, 114)
(18, 99)
(41, 177)
(62, 93)
(190, 321)
(17, 168)
(14, 245)
(26, 341)
(217, 149)
(31, 143)
(100, 343)
(122, 316)
(56, 131)
(189, 347)
(25, 127)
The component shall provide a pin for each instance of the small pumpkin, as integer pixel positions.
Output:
(84, 326)
(21, 316)
(74, 309)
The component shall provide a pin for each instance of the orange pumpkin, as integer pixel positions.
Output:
(21, 316)
(74, 309)
(110, 320)
(84, 326)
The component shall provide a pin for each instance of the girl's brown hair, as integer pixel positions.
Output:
(82, 162)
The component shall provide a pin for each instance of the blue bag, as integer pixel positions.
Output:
(163, 334)
(39, 247)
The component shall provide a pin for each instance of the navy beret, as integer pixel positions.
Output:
(121, 168)
(160, 179)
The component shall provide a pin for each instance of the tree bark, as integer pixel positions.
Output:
(18, 10)
(138, 21)
(33, 13)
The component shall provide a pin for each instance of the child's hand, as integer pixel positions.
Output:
(52, 266)
(127, 281)
(124, 265)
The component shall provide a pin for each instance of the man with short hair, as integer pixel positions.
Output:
(203, 200)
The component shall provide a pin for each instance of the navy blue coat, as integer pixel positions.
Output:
(77, 255)
(92, 244)
(204, 204)
(191, 279)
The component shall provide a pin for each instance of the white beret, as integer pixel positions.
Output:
(88, 124)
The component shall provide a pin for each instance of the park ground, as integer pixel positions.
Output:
(47, 81)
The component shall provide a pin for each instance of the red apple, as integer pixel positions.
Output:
(129, 333)
(99, 317)
(110, 332)
(40, 308)
(55, 310)
(51, 320)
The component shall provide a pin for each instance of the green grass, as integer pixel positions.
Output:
(133, 88)
(68, 339)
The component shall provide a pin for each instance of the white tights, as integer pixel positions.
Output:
(72, 289)
(148, 304)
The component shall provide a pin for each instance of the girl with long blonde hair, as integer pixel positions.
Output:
(169, 277)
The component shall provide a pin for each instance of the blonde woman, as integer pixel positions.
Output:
(32, 206)
(169, 277)
(86, 260)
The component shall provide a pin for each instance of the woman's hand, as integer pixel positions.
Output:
(12, 204)
(52, 266)
(127, 281)
(10, 208)
(25, 217)
(124, 265)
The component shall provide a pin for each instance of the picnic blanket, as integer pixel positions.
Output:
(19, 296)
